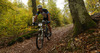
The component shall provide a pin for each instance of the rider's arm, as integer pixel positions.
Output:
(48, 17)
(48, 14)
(36, 16)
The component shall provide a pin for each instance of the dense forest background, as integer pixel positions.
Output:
(16, 17)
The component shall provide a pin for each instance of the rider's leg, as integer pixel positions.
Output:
(49, 28)
(43, 26)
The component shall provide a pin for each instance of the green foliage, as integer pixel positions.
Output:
(29, 35)
(67, 14)
(15, 19)
(93, 6)
(55, 13)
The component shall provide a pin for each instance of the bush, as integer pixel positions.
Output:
(28, 37)
(11, 43)
(20, 39)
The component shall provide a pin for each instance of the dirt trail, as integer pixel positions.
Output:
(29, 46)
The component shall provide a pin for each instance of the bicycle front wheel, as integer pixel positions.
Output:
(39, 40)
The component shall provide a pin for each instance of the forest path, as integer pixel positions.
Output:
(29, 46)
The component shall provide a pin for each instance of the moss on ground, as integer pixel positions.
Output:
(21, 38)
(11, 43)
(90, 31)
(89, 25)
(27, 37)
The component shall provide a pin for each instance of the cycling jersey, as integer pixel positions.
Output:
(44, 13)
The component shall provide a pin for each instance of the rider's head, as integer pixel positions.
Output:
(39, 7)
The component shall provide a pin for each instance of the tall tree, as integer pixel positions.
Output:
(43, 2)
(34, 8)
(81, 19)
(30, 6)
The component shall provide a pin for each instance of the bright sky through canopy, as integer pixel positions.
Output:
(60, 3)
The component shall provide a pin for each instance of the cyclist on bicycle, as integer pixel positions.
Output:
(46, 16)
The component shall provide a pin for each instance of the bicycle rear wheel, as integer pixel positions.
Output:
(39, 40)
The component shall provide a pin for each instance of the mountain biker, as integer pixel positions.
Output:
(46, 16)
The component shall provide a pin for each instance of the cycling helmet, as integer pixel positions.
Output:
(39, 6)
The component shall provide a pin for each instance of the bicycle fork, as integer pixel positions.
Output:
(42, 33)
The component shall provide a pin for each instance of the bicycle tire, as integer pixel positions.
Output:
(37, 40)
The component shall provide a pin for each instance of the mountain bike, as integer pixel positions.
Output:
(43, 32)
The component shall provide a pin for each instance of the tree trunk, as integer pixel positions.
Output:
(81, 19)
(34, 8)
(43, 2)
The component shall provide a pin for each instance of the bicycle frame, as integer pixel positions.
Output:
(43, 26)
(43, 31)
